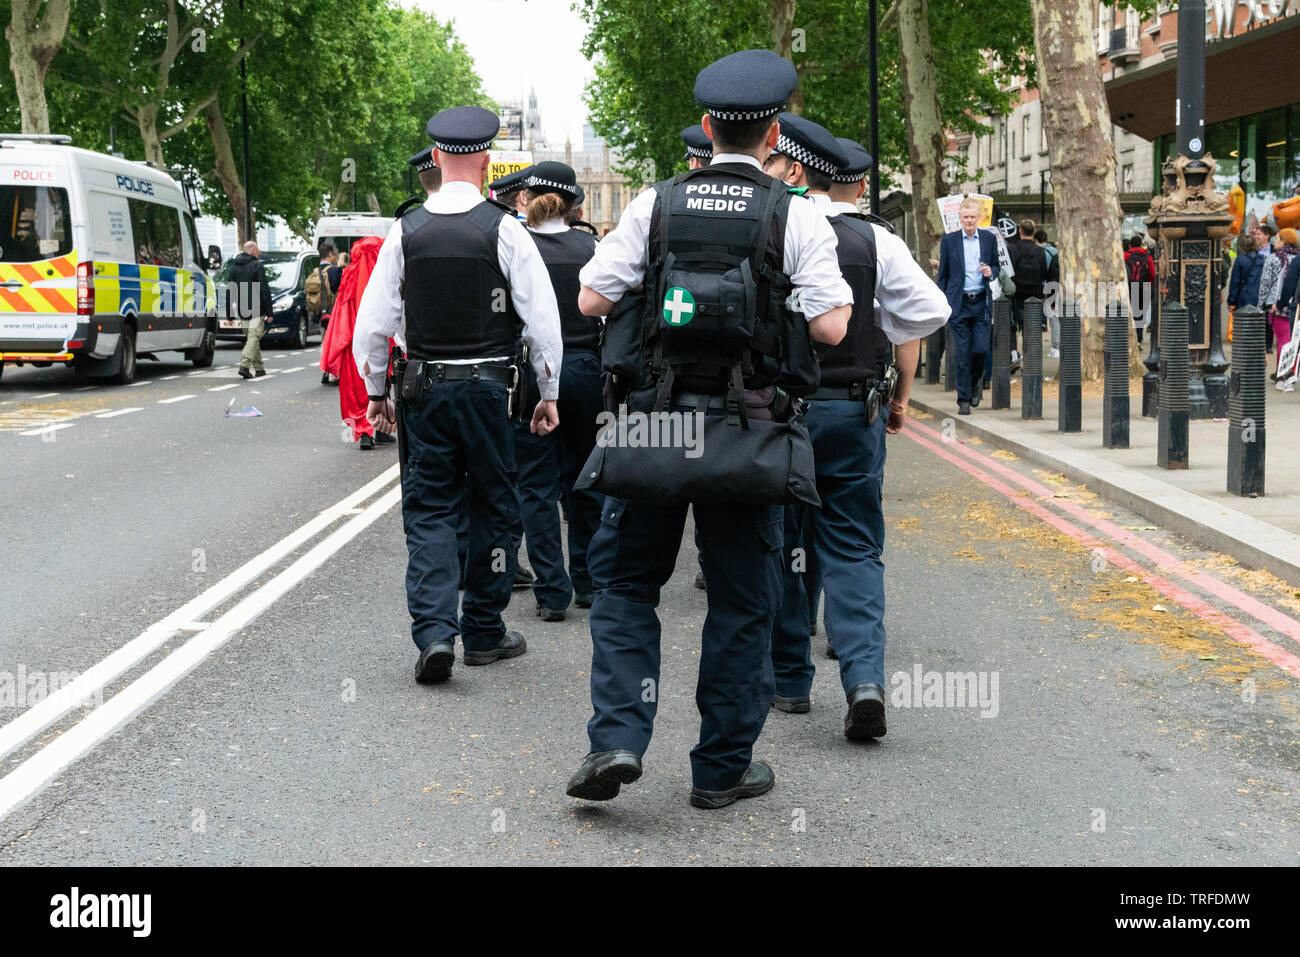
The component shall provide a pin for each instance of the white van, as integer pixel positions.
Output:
(99, 262)
(344, 229)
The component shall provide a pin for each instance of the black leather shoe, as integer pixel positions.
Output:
(866, 717)
(259, 373)
(523, 578)
(512, 646)
(791, 705)
(757, 779)
(435, 662)
(583, 599)
(324, 378)
(700, 583)
(963, 408)
(550, 614)
(383, 438)
(602, 773)
(367, 443)
(976, 399)
(245, 372)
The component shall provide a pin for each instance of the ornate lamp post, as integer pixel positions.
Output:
(1188, 220)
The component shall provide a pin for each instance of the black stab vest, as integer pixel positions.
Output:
(457, 300)
(864, 350)
(565, 254)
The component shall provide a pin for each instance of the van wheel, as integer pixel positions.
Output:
(125, 374)
(300, 337)
(203, 355)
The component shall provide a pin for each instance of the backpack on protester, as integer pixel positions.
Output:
(1139, 263)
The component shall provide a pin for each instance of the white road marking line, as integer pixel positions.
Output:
(175, 398)
(291, 369)
(83, 388)
(48, 428)
(45, 395)
(23, 782)
(269, 375)
(54, 706)
(117, 412)
(223, 388)
(141, 382)
(166, 377)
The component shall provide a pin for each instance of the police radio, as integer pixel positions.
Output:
(881, 391)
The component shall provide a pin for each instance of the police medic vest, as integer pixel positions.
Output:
(457, 300)
(715, 281)
(565, 254)
(864, 349)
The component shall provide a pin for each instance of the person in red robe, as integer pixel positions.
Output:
(336, 348)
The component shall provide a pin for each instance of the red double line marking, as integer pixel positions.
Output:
(1283, 658)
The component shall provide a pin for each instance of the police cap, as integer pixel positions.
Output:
(749, 85)
(422, 160)
(859, 161)
(580, 198)
(464, 129)
(511, 181)
(810, 144)
(697, 142)
(552, 177)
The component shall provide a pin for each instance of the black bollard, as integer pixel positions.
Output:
(933, 356)
(1069, 377)
(1114, 403)
(1175, 406)
(949, 360)
(1151, 380)
(1031, 363)
(1246, 389)
(1001, 354)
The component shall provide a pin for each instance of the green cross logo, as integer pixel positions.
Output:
(679, 306)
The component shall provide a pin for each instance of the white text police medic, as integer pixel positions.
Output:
(458, 283)
(894, 304)
(718, 250)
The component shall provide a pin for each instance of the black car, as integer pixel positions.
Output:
(289, 325)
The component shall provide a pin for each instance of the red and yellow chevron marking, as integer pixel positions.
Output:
(34, 298)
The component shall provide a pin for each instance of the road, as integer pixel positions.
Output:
(238, 585)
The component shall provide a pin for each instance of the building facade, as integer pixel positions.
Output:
(608, 191)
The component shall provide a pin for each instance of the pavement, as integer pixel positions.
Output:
(231, 592)
(1263, 531)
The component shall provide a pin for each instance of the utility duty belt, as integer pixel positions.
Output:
(416, 375)
(873, 392)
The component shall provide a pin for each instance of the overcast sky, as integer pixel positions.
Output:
(502, 36)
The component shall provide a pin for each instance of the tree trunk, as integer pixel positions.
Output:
(32, 46)
(1082, 155)
(781, 20)
(226, 170)
(927, 142)
(146, 118)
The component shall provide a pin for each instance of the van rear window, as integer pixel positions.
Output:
(34, 223)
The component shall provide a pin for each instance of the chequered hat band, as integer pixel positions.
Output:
(699, 151)
(848, 175)
(742, 116)
(533, 182)
(790, 148)
(458, 148)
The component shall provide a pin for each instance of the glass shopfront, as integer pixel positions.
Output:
(1260, 152)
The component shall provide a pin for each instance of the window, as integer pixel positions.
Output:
(34, 224)
(1042, 132)
(157, 233)
(1013, 142)
(1126, 178)
(1024, 134)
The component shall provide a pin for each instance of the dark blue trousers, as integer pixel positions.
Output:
(579, 404)
(538, 490)
(632, 555)
(847, 535)
(970, 343)
(459, 452)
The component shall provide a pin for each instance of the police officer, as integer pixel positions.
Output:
(848, 429)
(508, 190)
(699, 148)
(457, 281)
(430, 180)
(633, 553)
(548, 465)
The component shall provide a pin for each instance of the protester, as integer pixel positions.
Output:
(1243, 286)
(1029, 263)
(1270, 283)
(1283, 296)
(248, 297)
(336, 350)
(1141, 269)
(1053, 279)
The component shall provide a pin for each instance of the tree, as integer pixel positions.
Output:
(1082, 156)
(927, 135)
(34, 39)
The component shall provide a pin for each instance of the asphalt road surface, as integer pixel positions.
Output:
(226, 595)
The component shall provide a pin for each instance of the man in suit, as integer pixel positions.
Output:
(966, 260)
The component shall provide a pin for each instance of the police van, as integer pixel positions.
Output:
(344, 229)
(99, 262)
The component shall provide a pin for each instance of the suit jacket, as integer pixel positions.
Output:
(952, 266)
